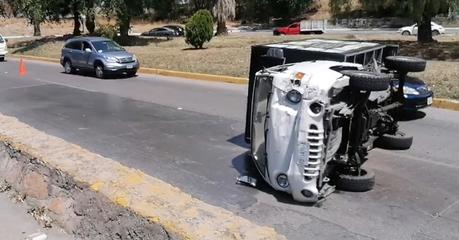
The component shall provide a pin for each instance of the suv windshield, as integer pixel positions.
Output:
(107, 46)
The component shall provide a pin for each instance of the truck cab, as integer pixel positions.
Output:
(292, 29)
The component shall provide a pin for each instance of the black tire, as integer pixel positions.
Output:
(399, 141)
(355, 183)
(367, 81)
(99, 71)
(68, 68)
(406, 33)
(2, 59)
(435, 33)
(405, 64)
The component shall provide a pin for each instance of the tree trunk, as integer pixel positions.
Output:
(91, 21)
(425, 30)
(125, 24)
(36, 28)
(90, 16)
(221, 28)
(76, 21)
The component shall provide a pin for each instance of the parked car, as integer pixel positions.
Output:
(317, 107)
(178, 29)
(303, 27)
(413, 30)
(3, 48)
(160, 32)
(101, 55)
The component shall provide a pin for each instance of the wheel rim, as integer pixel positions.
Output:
(99, 72)
(68, 67)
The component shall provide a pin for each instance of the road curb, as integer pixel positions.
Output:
(446, 104)
(56, 176)
(162, 72)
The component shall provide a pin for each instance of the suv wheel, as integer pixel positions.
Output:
(99, 70)
(435, 33)
(367, 81)
(68, 67)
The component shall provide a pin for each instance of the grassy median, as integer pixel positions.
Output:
(231, 55)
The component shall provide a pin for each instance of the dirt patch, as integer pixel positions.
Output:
(56, 198)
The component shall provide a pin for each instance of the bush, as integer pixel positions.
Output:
(199, 29)
(107, 31)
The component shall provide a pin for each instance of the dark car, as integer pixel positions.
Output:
(178, 29)
(417, 94)
(160, 32)
(101, 55)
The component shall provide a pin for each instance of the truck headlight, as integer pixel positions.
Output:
(294, 96)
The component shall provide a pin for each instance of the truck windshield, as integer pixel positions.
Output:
(1, 39)
(107, 46)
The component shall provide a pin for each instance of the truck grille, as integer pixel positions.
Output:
(315, 140)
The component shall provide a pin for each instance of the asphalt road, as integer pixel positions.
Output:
(348, 31)
(189, 133)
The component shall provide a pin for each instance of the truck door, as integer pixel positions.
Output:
(294, 29)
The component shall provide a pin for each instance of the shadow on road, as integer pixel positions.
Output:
(239, 140)
(90, 74)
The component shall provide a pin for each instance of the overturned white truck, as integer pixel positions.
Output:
(315, 109)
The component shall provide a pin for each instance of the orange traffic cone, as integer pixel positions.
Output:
(22, 68)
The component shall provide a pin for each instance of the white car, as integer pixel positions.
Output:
(3, 48)
(413, 30)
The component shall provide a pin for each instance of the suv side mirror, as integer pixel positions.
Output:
(88, 50)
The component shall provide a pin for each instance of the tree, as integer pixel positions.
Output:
(35, 11)
(421, 11)
(124, 11)
(224, 10)
(90, 12)
(199, 29)
(264, 10)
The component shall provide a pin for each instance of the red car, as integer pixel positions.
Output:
(303, 27)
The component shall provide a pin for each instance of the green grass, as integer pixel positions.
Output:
(231, 56)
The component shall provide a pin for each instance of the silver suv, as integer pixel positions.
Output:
(101, 55)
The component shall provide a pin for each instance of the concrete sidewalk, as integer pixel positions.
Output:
(17, 224)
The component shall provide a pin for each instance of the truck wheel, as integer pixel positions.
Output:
(399, 141)
(356, 183)
(405, 64)
(435, 33)
(2, 59)
(367, 81)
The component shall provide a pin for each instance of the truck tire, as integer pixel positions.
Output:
(399, 141)
(405, 64)
(367, 81)
(354, 183)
